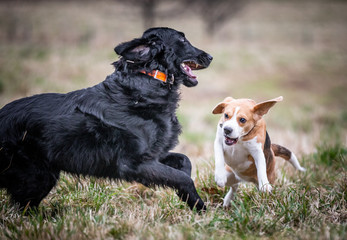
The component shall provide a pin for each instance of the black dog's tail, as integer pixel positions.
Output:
(287, 155)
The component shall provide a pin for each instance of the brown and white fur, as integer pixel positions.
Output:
(243, 150)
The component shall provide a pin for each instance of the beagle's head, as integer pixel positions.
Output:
(240, 116)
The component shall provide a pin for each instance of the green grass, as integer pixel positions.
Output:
(309, 205)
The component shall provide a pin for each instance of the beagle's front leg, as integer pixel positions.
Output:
(257, 153)
(220, 174)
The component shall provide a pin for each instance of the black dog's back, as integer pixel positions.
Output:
(122, 128)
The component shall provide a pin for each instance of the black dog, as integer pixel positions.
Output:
(122, 128)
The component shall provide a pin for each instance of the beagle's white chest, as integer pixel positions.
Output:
(236, 156)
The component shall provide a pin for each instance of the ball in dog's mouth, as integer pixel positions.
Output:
(230, 141)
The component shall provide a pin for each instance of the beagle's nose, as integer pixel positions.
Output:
(228, 130)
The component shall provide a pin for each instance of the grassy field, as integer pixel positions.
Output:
(296, 49)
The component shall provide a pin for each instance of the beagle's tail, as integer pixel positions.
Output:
(286, 154)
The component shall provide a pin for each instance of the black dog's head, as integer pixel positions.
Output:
(166, 50)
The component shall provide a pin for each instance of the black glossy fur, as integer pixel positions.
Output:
(122, 128)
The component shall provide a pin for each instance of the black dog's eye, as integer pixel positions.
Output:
(226, 115)
(242, 120)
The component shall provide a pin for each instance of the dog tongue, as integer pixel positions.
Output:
(189, 72)
(230, 141)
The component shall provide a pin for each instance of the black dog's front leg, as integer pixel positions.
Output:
(151, 173)
(178, 161)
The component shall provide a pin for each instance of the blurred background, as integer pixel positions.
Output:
(261, 49)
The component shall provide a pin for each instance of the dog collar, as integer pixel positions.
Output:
(156, 74)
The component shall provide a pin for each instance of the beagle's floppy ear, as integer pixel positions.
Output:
(262, 108)
(220, 106)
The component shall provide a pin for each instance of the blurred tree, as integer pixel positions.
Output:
(217, 12)
(150, 9)
(214, 13)
(147, 9)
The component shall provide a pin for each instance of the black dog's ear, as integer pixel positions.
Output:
(140, 49)
(135, 50)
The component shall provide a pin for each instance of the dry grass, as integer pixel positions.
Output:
(296, 49)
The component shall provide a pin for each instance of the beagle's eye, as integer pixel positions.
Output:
(242, 120)
(226, 116)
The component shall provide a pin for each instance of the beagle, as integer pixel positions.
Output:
(243, 150)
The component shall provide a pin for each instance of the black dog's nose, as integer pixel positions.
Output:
(209, 57)
(228, 130)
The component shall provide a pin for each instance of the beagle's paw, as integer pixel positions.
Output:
(220, 178)
(266, 188)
